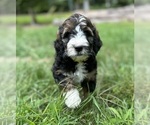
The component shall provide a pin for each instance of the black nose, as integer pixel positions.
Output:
(78, 48)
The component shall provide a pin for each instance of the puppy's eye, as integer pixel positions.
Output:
(88, 32)
(66, 35)
(90, 38)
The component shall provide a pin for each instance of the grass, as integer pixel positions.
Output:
(25, 19)
(7, 92)
(41, 18)
(40, 103)
(8, 19)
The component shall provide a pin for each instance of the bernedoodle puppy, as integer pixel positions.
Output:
(76, 47)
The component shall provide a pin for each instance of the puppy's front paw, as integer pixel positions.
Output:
(72, 98)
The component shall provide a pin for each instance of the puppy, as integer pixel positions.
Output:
(76, 47)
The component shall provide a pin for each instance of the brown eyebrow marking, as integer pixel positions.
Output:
(86, 28)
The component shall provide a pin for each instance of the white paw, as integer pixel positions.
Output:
(72, 98)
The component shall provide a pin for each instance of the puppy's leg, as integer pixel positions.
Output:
(88, 86)
(84, 85)
(91, 85)
(71, 94)
(72, 98)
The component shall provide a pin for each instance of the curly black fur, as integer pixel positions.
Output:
(64, 64)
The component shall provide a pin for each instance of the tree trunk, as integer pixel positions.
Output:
(107, 3)
(70, 4)
(33, 16)
(86, 5)
(77, 6)
(114, 2)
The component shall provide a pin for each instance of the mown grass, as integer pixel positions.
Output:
(25, 19)
(38, 98)
(41, 18)
(7, 19)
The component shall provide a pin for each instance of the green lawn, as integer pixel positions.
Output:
(41, 18)
(38, 100)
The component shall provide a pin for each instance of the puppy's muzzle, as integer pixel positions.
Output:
(78, 48)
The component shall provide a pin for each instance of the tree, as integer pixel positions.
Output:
(107, 3)
(32, 7)
(86, 5)
(7, 7)
(70, 5)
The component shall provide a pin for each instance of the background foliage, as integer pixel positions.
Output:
(41, 6)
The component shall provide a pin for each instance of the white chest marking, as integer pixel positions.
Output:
(80, 73)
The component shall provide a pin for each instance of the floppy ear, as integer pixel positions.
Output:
(58, 43)
(97, 43)
(59, 47)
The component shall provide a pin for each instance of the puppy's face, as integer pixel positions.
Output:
(77, 44)
(77, 35)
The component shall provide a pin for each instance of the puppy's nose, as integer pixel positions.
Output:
(78, 48)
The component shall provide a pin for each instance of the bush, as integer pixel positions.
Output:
(124, 2)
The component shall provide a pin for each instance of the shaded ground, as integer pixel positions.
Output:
(107, 15)
(127, 13)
